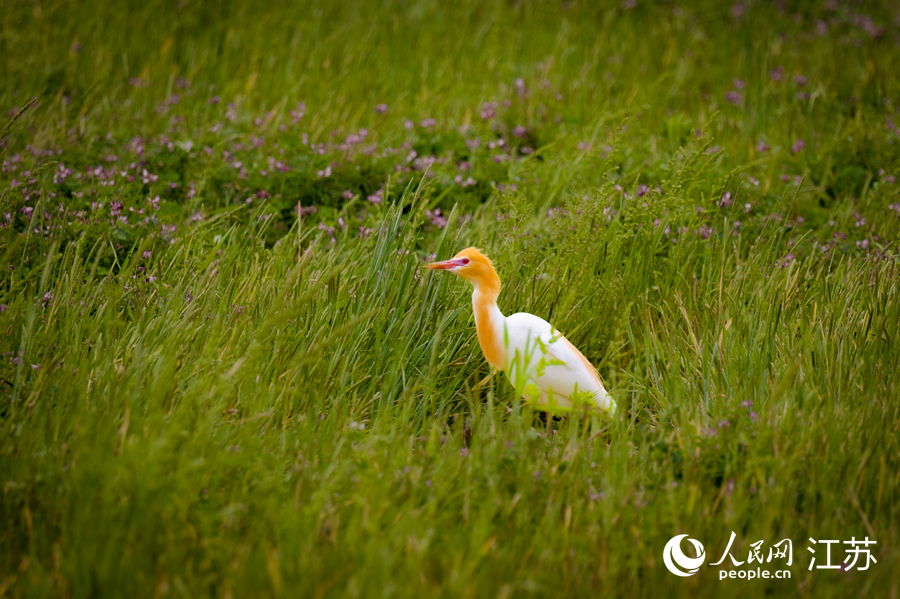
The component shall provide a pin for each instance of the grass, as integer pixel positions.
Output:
(226, 373)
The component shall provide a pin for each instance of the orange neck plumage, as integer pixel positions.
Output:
(488, 318)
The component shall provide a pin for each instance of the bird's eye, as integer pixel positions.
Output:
(465, 260)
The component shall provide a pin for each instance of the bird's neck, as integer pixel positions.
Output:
(489, 323)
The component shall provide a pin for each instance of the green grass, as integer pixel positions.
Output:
(212, 397)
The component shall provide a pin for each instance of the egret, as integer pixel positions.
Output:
(537, 358)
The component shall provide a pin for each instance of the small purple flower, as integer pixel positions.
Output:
(214, 100)
(347, 194)
(762, 147)
(436, 218)
(3, 308)
(519, 131)
(409, 125)
(798, 145)
(800, 80)
(298, 113)
(463, 451)
(376, 198)
(429, 122)
(487, 111)
(754, 416)
(381, 108)
(738, 84)
(726, 200)
(734, 97)
(776, 74)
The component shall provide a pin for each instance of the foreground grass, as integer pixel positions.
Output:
(216, 397)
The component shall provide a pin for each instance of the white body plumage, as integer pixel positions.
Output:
(542, 364)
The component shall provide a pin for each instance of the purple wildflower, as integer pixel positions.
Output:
(376, 198)
(436, 218)
(487, 111)
(298, 113)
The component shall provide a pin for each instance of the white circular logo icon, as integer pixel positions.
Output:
(677, 562)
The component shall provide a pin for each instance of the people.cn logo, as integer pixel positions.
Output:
(677, 562)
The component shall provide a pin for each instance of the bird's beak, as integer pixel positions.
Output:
(445, 265)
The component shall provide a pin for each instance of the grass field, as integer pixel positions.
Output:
(225, 373)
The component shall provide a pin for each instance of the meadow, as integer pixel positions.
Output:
(225, 373)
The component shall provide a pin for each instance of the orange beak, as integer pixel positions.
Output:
(445, 265)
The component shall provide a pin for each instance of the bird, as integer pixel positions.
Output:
(539, 361)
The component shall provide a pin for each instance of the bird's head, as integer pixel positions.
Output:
(473, 266)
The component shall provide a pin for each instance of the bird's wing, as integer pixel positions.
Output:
(550, 342)
(564, 368)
